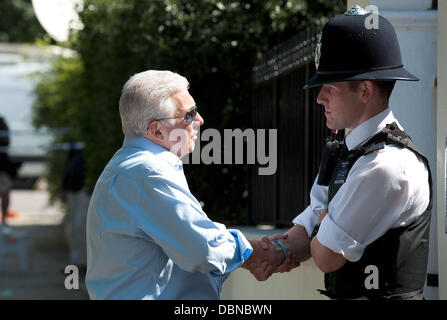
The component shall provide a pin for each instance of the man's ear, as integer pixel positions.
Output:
(155, 132)
(367, 90)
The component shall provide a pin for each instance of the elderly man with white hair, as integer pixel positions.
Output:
(147, 235)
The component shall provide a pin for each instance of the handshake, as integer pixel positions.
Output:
(270, 256)
(280, 252)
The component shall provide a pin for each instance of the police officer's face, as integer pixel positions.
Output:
(343, 107)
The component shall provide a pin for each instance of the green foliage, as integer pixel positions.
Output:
(212, 43)
(18, 22)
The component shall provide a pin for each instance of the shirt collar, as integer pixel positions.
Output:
(147, 144)
(369, 128)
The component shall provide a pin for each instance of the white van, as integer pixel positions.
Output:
(27, 146)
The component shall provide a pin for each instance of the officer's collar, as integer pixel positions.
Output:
(369, 128)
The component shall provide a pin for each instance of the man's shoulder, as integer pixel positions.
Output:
(392, 161)
(138, 164)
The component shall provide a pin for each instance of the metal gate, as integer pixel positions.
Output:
(278, 101)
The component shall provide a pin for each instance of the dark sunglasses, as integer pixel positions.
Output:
(189, 116)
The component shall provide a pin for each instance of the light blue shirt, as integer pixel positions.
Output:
(148, 237)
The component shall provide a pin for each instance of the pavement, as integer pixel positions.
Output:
(43, 225)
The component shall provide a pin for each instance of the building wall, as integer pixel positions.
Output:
(441, 131)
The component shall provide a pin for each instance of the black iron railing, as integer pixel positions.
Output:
(279, 102)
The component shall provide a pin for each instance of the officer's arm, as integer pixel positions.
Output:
(298, 243)
(325, 259)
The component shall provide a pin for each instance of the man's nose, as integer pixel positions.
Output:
(199, 119)
(321, 97)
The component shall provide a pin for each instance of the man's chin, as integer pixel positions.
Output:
(331, 126)
(192, 147)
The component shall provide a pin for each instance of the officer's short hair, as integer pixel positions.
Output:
(385, 87)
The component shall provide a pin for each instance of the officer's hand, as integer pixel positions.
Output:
(288, 264)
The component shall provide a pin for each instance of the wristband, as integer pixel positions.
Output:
(283, 247)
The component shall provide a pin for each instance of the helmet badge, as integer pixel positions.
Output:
(356, 11)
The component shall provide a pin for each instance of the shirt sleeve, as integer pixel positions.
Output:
(318, 203)
(365, 207)
(171, 217)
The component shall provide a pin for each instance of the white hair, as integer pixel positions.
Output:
(146, 97)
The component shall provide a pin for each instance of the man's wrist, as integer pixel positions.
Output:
(280, 251)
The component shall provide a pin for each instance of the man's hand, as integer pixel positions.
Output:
(262, 270)
(264, 259)
(297, 244)
(291, 262)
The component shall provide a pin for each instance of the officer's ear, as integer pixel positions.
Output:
(367, 90)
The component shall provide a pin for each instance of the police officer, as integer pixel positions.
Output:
(367, 225)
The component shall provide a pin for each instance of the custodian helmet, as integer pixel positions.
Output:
(351, 49)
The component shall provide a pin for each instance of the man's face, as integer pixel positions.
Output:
(342, 106)
(181, 137)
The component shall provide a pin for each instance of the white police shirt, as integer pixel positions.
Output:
(385, 189)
